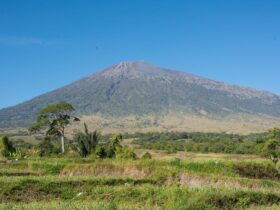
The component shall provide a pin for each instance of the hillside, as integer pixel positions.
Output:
(137, 95)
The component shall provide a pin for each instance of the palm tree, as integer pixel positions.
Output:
(86, 141)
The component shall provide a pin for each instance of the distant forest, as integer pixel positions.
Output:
(201, 142)
(189, 141)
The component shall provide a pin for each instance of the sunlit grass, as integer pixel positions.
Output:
(160, 183)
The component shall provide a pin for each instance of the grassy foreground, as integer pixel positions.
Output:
(74, 183)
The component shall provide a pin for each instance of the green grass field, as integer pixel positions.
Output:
(195, 181)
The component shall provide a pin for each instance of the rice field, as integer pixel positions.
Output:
(194, 181)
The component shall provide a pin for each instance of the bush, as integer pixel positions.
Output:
(125, 153)
(100, 151)
(146, 156)
(273, 150)
(19, 153)
(46, 148)
(201, 142)
(109, 150)
(256, 170)
(105, 151)
(6, 147)
(86, 142)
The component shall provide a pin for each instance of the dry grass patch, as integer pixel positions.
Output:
(106, 170)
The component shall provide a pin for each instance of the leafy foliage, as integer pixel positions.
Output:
(86, 142)
(146, 156)
(47, 148)
(109, 150)
(54, 118)
(126, 153)
(273, 145)
(101, 151)
(57, 109)
(202, 142)
(6, 147)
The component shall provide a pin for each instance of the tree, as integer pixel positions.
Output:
(273, 149)
(6, 147)
(86, 141)
(273, 145)
(54, 118)
(274, 133)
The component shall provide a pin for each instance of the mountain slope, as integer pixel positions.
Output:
(141, 89)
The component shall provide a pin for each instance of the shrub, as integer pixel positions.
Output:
(19, 153)
(125, 153)
(109, 150)
(273, 150)
(100, 151)
(146, 156)
(256, 170)
(86, 142)
(46, 148)
(6, 147)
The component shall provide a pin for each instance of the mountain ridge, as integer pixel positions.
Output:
(196, 78)
(139, 88)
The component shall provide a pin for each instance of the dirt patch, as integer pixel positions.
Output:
(257, 171)
(18, 174)
(24, 195)
(106, 171)
(194, 181)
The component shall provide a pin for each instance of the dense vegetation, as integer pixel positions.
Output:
(103, 146)
(202, 142)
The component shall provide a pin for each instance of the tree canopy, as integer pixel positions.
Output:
(54, 118)
(273, 145)
(6, 146)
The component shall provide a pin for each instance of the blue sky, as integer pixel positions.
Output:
(48, 44)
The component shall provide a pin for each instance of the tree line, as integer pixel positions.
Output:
(265, 144)
(53, 120)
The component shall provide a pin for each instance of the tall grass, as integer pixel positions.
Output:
(70, 183)
(150, 197)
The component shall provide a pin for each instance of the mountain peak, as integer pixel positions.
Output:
(138, 88)
(132, 63)
(132, 69)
